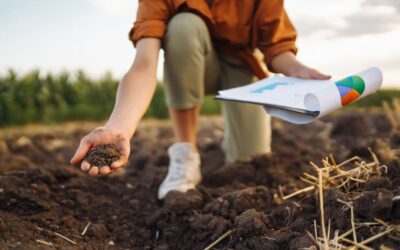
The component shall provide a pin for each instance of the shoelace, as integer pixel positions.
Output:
(178, 169)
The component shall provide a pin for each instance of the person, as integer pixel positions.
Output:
(208, 45)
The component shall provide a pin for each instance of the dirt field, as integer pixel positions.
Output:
(43, 198)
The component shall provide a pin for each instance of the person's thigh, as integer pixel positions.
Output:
(191, 65)
(247, 129)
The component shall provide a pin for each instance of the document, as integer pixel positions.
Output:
(302, 101)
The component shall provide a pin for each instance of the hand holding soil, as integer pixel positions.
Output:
(105, 150)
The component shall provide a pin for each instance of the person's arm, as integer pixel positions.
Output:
(277, 41)
(133, 98)
(137, 88)
(286, 63)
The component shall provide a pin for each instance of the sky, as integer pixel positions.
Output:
(338, 37)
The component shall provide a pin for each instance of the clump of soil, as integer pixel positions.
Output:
(103, 155)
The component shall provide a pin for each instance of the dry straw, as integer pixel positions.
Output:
(393, 113)
(346, 176)
(221, 238)
(55, 234)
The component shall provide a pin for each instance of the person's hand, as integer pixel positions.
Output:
(305, 72)
(99, 136)
(287, 64)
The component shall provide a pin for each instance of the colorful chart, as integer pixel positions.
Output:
(350, 89)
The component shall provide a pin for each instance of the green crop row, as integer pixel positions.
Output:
(37, 98)
(376, 99)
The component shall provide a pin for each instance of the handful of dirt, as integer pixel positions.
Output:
(103, 155)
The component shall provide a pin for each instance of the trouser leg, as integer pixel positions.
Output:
(192, 68)
(191, 65)
(247, 128)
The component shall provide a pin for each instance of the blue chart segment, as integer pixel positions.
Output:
(272, 86)
(343, 90)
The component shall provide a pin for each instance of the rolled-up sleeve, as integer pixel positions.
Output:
(151, 20)
(275, 33)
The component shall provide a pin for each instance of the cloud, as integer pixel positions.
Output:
(390, 3)
(370, 17)
(312, 25)
(115, 7)
(370, 21)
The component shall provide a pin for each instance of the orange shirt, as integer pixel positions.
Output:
(237, 27)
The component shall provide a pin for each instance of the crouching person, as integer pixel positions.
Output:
(208, 46)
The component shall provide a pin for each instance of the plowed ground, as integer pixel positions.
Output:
(41, 194)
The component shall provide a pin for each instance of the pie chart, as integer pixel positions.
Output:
(350, 89)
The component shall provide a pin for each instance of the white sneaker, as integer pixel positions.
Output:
(184, 169)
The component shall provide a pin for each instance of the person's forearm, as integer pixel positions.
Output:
(285, 63)
(136, 89)
(133, 97)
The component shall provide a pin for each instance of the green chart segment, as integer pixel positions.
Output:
(350, 89)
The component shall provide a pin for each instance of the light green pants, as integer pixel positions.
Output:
(193, 68)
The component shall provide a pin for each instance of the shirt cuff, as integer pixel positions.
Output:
(148, 28)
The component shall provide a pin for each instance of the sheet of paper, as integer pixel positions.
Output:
(302, 101)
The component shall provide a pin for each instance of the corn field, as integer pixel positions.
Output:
(51, 98)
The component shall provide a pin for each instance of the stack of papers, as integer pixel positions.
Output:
(302, 101)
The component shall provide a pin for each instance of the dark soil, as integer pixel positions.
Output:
(41, 194)
(103, 155)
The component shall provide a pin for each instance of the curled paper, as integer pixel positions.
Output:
(332, 96)
(302, 101)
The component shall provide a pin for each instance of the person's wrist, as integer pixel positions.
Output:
(286, 63)
(293, 68)
(126, 132)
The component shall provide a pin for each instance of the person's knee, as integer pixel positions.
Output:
(185, 32)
